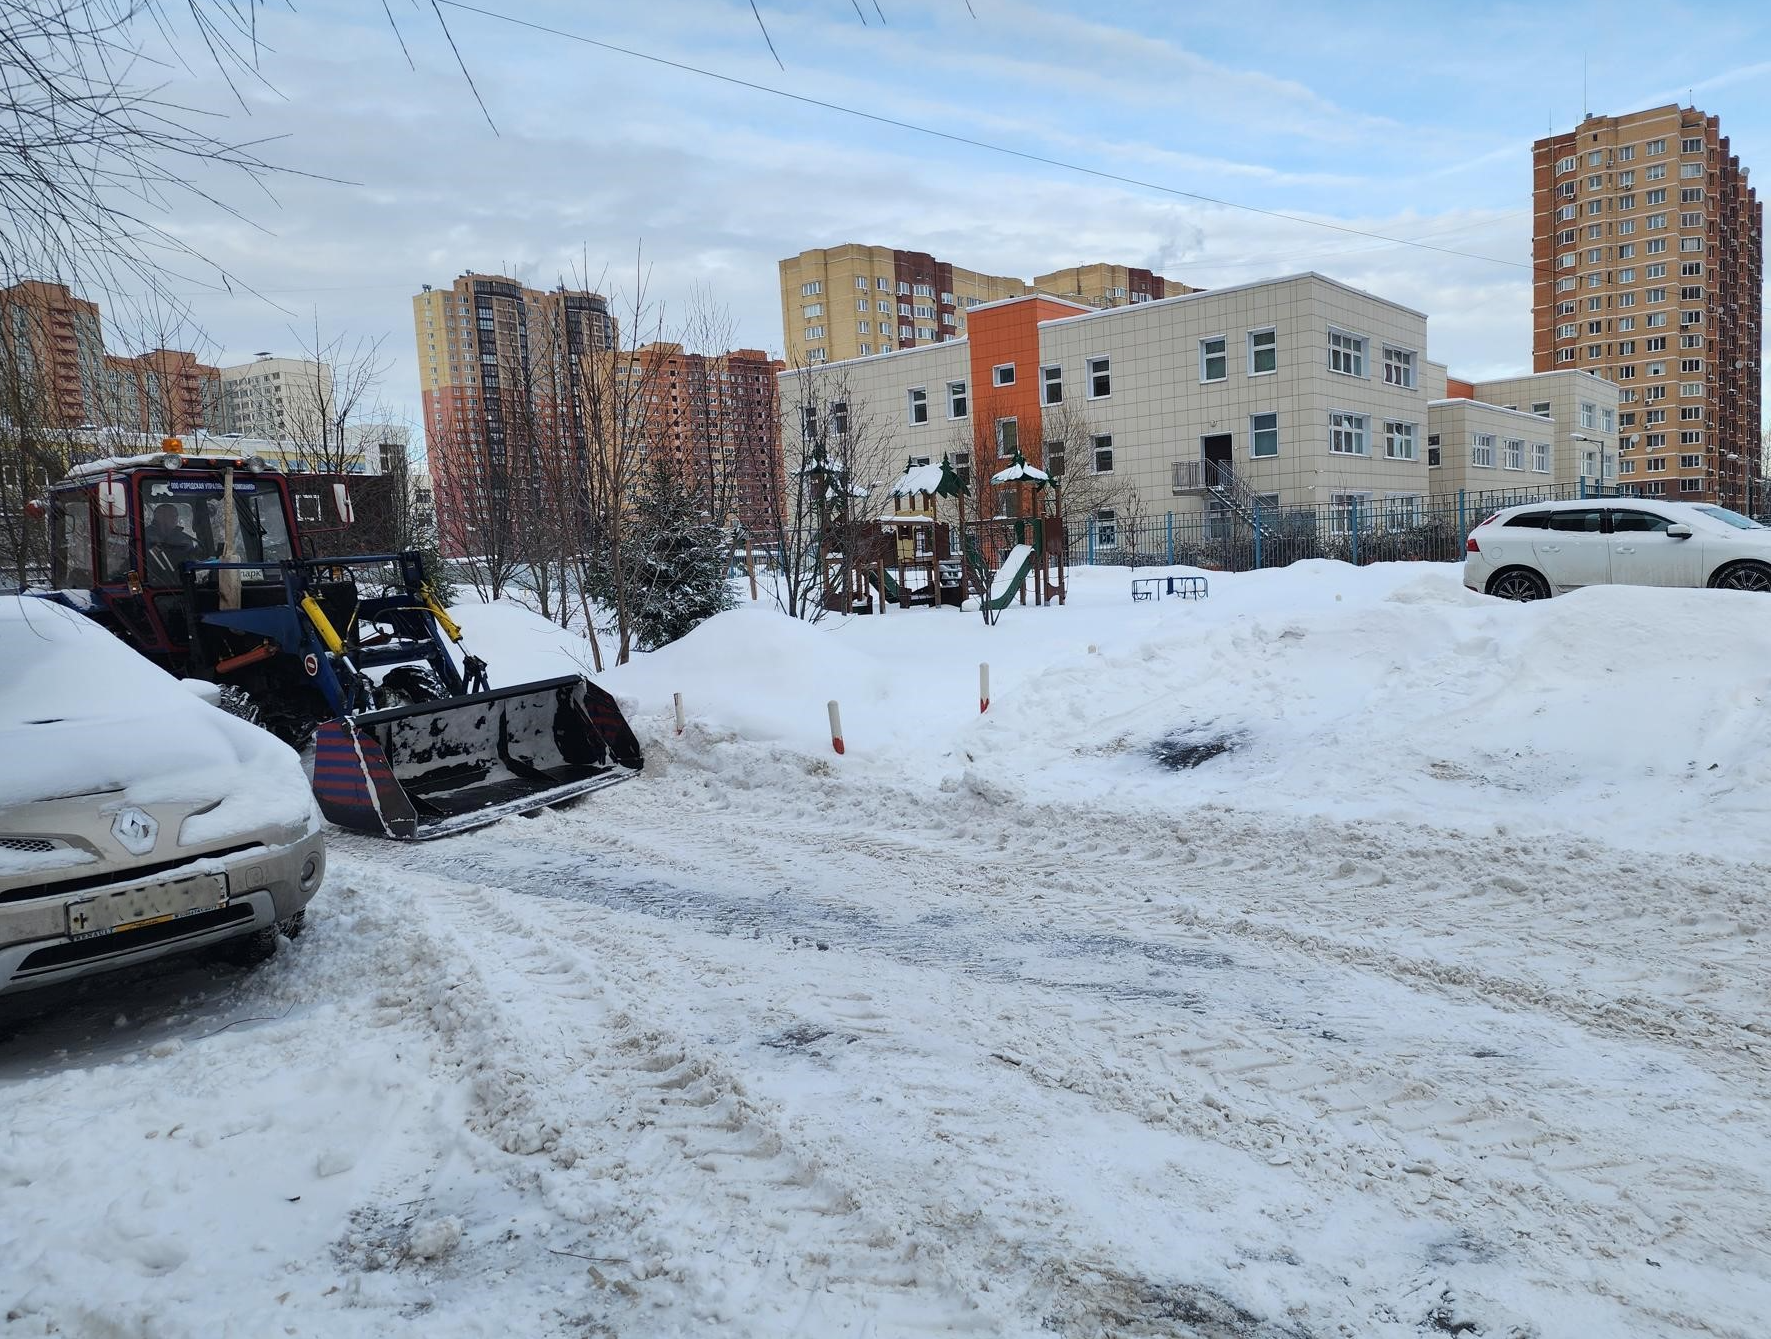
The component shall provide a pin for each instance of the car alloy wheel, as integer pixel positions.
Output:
(1748, 576)
(1518, 586)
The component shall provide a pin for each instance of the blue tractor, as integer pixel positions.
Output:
(199, 563)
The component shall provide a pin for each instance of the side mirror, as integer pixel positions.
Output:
(1678, 531)
(113, 499)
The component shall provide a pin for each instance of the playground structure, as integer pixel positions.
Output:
(914, 556)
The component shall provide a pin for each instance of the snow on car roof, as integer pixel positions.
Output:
(81, 713)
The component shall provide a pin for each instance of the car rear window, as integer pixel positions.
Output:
(1531, 520)
(1587, 521)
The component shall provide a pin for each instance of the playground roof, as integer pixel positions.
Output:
(1019, 471)
(937, 479)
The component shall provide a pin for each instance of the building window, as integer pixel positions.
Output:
(863, 327)
(1566, 165)
(1693, 462)
(866, 350)
(1398, 367)
(1482, 450)
(956, 406)
(1691, 146)
(1051, 380)
(1689, 245)
(1346, 354)
(1263, 435)
(1540, 457)
(1263, 352)
(839, 418)
(1103, 454)
(1349, 512)
(1054, 459)
(808, 422)
(1347, 433)
(1626, 467)
(1106, 530)
(1214, 362)
(812, 289)
(1625, 152)
(1513, 453)
(1691, 390)
(1654, 146)
(1100, 379)
(1400, 441)
(919, 405)
(1008, 437)
(1402, 511)
(1003, 374)
(1691, 485)
(1656, 464)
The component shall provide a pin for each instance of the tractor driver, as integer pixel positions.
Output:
(169, 544)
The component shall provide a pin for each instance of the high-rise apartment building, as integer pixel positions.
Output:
(53, 346)
(853, 301)
(498, 364)
(711, 418)
(277, 398)
(164, 391)
(1647, 258)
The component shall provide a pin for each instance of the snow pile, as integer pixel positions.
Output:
(1384, 692)
(92, 716)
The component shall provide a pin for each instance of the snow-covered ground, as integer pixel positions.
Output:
(1434, 1003)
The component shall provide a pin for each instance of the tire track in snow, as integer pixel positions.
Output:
(1265, 1094)
(655, 1150)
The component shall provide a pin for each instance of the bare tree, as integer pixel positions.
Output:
(33, 451)
(92, 158)
(326, 404)
(839, 459)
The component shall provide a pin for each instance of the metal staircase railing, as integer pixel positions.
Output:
(1233, 492)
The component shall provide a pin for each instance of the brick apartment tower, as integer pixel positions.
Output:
(714, 419)
(497, 364)
(852, 301)
(1647, 268)
(55, 340)
(166, 391)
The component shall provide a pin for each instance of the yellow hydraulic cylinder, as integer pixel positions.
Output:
(322, 625)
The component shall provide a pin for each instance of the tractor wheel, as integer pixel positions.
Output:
(409, 685)
(236, 701)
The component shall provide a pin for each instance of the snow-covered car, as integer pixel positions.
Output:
(136, 818)
(1541, 549)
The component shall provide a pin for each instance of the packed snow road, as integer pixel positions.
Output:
(769, 1044)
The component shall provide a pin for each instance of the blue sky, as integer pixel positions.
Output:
(1413, 122)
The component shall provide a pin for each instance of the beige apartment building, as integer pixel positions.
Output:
(855, 301)
(1298, 391)
(277, 398)
(1647, 254)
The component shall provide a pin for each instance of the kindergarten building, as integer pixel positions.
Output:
(1291, 392)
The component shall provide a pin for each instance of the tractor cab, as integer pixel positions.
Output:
(122, 531)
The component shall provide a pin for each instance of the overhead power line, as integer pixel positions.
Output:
(970, 141)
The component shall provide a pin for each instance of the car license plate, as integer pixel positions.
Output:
(145, 904)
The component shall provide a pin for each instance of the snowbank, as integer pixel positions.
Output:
(1384, 692)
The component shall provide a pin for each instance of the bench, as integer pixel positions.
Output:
(1184, 588)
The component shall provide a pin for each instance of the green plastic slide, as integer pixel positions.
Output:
(1010, 576)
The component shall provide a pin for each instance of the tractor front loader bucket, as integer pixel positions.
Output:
(443, 767)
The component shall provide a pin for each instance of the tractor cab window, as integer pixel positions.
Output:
(71, 527)
(183, 521)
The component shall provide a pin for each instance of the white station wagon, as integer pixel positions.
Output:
(1545, 548)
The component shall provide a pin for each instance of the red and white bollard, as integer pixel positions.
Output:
(835, 726)
(983, 686)
(677, 698)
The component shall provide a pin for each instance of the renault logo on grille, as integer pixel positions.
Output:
(135, 830)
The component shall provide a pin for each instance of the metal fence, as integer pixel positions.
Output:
(1364, 530)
